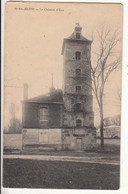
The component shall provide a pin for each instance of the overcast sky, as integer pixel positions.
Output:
(33, 43)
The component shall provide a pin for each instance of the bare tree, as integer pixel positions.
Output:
(106, 62)
(15, 124)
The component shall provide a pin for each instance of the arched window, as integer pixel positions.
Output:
(78, 123)
(43, 114)
(78, 107)
(77, 55)
(78, 72)
(78, 89)
(77, 35)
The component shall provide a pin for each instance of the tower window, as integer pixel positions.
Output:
(78, 123)
(77, 55)
(78, 35)
(78, 89)
(78, 107)
(78, 72)
(44, 114)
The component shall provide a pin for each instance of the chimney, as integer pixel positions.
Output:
(25, 91)
(52, 89)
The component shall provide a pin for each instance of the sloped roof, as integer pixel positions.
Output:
(55, 97)
(72, 37)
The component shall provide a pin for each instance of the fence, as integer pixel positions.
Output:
(12, 141)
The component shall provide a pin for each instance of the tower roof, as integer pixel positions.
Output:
(73, 36)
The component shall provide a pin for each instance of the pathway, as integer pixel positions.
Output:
(84, 159)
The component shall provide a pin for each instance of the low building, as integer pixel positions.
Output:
(110, 132)
(64, 119)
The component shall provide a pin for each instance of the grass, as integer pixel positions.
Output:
(18, 173)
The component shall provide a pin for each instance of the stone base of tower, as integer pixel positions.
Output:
(59, 139)
(79, 139)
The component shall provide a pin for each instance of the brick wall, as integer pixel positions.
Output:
(71, 117)
(31, 118)
(71, 80)
(71, 100)
(79, 139)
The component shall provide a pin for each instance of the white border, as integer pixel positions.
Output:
(124, 126)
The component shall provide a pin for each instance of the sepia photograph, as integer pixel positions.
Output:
(62, 95)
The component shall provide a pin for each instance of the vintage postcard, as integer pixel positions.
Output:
(62, 95)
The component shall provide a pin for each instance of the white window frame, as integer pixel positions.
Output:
(43, 114)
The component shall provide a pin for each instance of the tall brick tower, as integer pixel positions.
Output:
(77, 92)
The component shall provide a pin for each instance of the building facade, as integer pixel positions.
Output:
(77, 92)
(64, 119)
